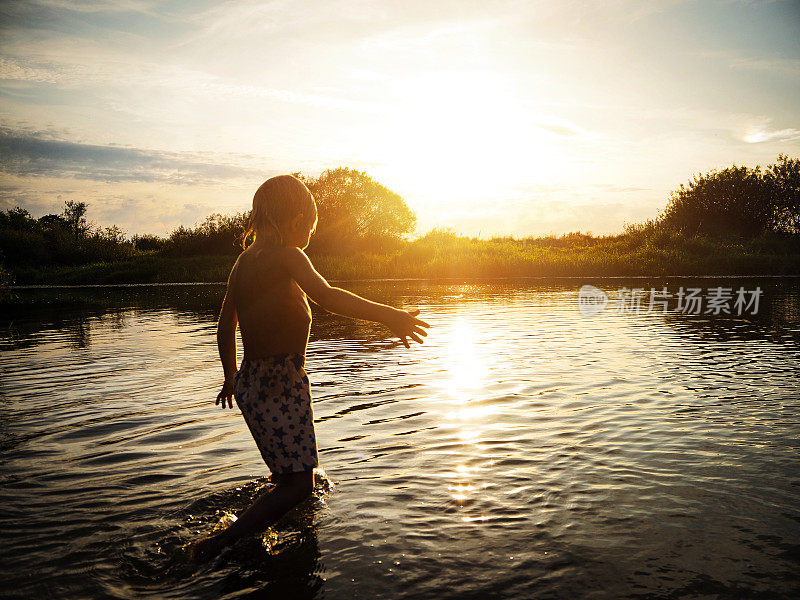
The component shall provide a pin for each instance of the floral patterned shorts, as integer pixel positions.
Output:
(274, 396)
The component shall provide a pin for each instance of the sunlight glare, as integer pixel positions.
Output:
(456, 123)
(467, 371)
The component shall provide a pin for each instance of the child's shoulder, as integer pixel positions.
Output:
(255, 260)
(277, 254)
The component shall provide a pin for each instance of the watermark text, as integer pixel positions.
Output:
(717, 300)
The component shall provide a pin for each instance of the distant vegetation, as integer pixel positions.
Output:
(356, 213)
(739, 220)
(738, 202)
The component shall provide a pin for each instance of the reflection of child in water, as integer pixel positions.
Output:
(266, 296)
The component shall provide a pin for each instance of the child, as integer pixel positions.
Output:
(266, 295)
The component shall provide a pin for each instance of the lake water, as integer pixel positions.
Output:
(524, 451)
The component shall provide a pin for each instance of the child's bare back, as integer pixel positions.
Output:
(273, 312)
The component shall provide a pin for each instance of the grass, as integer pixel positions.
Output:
(149, 268)
(643, 250)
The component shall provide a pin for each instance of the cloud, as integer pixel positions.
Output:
(763, 135)
(557, 125)
(23, 154)
(16, 70)
(781, 66)
(96, 6)
(759, 129)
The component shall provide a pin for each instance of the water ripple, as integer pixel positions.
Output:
(522, 451)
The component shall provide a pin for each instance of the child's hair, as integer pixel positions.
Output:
(279, 200)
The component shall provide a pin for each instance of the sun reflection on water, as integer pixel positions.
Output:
(464, 365)
(466, 371)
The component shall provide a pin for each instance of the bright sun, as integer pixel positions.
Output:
(464, 135)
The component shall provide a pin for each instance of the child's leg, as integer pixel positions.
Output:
(290, 489)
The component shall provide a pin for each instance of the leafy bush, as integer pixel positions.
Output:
(58, 240)
(738, 201)
(218, 234)
(148, 243)
(785, 177)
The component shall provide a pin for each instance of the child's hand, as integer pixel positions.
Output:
(404, 323)
(226, 394)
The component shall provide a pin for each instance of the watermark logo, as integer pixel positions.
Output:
(690, 301)
(591, 300)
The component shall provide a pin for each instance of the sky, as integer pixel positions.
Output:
(489, 118)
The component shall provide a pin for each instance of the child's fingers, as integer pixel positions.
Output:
(414, 313)
(415, 337)
(419, 330)
(405, 341)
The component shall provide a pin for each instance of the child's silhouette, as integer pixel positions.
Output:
(266, 296)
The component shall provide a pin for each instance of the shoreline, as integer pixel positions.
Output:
(404, 279)
(448, 258)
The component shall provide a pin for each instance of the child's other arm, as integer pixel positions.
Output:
(226, 343)
(336, 300)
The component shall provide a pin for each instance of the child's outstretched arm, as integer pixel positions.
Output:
(404, 324)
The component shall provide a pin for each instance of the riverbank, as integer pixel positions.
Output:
(446, 255)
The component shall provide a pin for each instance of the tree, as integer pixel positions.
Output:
(218, 234)
(53, 221)
(148, 242)
(785, 177)
(738, 201)
(75, 215)
(354, 210)
(17, 219)
(112, 234)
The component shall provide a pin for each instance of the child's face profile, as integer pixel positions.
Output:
(301, 232)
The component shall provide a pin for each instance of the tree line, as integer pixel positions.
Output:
(357, 214)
